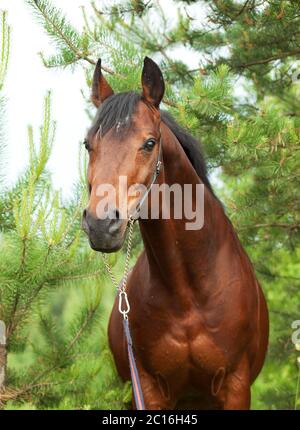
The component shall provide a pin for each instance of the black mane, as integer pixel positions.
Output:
(117, 111)
(191, 147)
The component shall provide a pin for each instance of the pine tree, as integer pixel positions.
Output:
(242, 102)
(4, 49)
(51, 288)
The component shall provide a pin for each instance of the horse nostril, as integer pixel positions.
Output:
(115, 223)
(84, 223)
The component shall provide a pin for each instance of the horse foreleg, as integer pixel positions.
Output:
(237, 391)
(154, 398)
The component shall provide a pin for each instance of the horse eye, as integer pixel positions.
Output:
(86, 144)
(149, 145)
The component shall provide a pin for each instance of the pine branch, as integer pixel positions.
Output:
(59, 29)
(4, 47)
(119, 10)
(276, 276)
(78, 335)
(4, 57)
(278, 56)
(76, 277)
(292, 226)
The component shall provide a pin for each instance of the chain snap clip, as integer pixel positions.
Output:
(124, 306)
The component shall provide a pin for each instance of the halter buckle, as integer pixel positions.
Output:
(158, 166)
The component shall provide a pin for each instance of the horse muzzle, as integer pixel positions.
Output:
(105, 235)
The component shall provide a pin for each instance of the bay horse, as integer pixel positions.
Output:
(198, 318)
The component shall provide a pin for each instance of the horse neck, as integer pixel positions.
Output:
(178, 256)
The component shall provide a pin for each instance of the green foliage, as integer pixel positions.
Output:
(5, 45)
(242, 102)
(70, 44)
(51, 295)
(51, 291)
(4, 55)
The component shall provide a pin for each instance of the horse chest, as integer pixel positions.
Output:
(182, 351)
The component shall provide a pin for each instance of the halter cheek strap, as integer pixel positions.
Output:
(156, 172)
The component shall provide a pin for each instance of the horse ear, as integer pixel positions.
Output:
(152, 82)
(101, 88)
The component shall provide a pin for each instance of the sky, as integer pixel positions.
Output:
(25, 87)
(28, 82)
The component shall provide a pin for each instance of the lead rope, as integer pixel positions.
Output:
(124, 309)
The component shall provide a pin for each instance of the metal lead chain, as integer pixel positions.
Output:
(124, 306)
(128, 252)
(109, 270)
